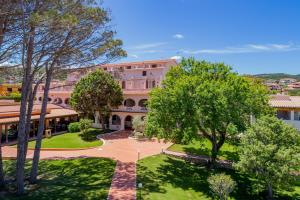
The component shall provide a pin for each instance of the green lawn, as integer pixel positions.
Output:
(72, 140)
(83, 178)
(202, 146)
(164, 177)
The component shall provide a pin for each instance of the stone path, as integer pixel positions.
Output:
(116, 146)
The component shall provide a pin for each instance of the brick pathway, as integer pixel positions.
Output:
(116, 146)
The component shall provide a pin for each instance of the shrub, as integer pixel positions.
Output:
(74, 127)
(16, 96)
(221, 185)
(138, 124)
(85, 124)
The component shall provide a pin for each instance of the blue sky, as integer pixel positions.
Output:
(253, 36)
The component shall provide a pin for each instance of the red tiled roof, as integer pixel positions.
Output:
(284, 101)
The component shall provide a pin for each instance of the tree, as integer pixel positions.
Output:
(97, 92)
(138, 125)
(207, 99)
(53, 35)
(222, 185)
(270, 151)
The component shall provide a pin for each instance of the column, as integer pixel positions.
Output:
(6, 133)
(292, 115)
(0, 134)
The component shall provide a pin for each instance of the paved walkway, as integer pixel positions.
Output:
(116, 146)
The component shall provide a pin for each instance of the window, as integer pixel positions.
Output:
(9, 89)
(123, 84)
(128, 67)
(105, 68)
(20, 89)
(154, 65)
(283, 114)
(153, 84)
(144, 73)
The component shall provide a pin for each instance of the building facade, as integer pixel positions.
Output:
(136, 80)
(287, 108)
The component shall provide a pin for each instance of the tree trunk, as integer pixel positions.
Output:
(36, 156)
(2, 183)
(270, 191)
(26, 83)
(31, 97)
(102, 122)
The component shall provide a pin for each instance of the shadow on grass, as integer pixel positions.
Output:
(84, 178)
(91, 134)
(186, 176)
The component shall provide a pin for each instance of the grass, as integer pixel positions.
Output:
(164, 177)
(83, 178)
(202, 146)
(72, 140)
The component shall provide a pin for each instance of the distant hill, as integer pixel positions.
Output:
(277, 76)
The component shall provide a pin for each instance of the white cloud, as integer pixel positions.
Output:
(176, 57)
(249, 48)
(149, 45)
(133, 55)
(178, 36)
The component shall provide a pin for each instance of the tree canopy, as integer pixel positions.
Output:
(270, 151)
(203, 98)
(97, 92)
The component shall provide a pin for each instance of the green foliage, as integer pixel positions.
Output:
(74, 127)
(221, 185)
(84, 125)
(206, 98)
(96, 92)
(295, 92)
(16, 96)
(270, 151)
(138, 124)
(277, 76)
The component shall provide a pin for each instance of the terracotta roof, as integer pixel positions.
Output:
(16, 108)
(54, 113)
(284, 101)
(139, 63)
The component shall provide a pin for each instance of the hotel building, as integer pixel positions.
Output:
(136, 80)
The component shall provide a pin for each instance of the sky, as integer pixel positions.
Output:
(253, 37)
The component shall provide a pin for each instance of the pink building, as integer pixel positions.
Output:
(136, 80)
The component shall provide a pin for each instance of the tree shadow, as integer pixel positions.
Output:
(84, 178)
(91, 134)
(186, 176)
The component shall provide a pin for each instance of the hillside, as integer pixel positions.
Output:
(277, 76)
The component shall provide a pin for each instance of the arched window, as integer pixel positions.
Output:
(142, 103)
(116, 120)
(49, 99)
(129, 103)
(58, 101)
(40, 98)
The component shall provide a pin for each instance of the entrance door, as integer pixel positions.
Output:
(128, 123)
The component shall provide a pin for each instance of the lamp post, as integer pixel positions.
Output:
(140, 186)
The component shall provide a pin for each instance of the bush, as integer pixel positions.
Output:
(16, 96)
(85, 124)
(74, 127)
(221, 185)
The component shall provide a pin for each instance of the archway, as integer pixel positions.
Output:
(67, 101)
(143, 103)
(129, 103)
(57, 101)
(128, 123)
(116, 120)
